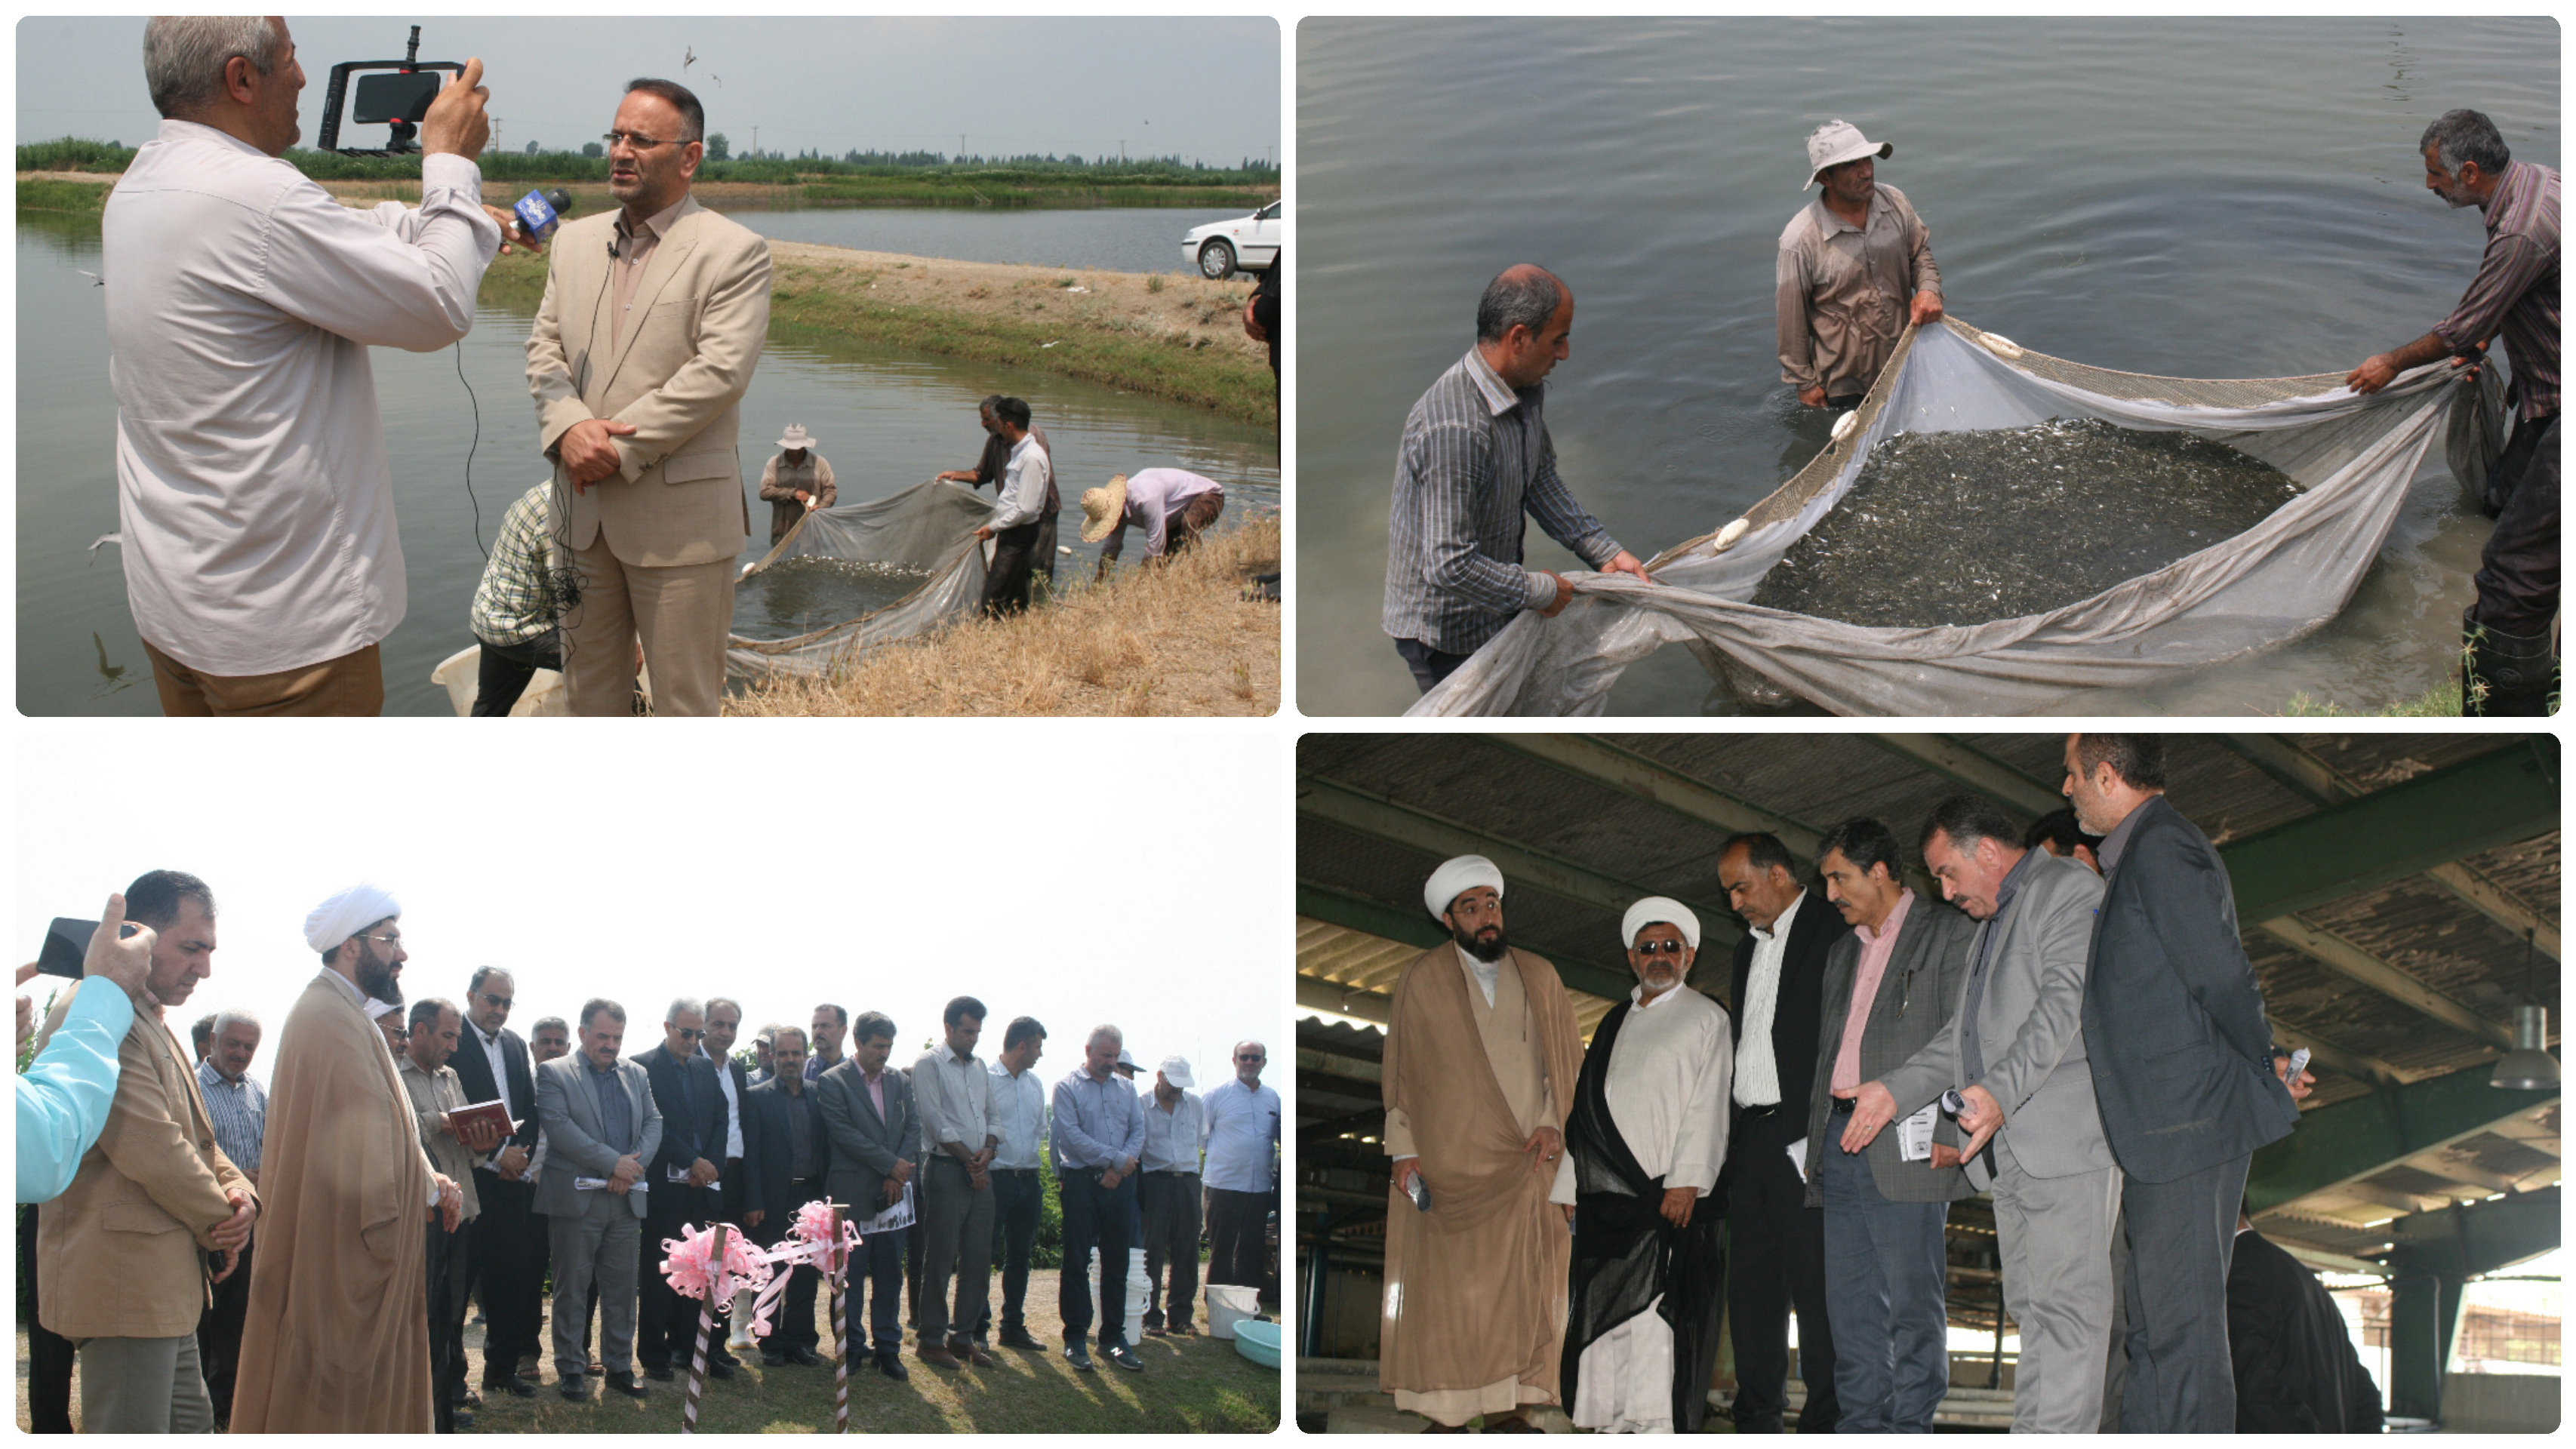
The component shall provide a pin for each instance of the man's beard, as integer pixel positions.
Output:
(1481, 950)
(376, 978)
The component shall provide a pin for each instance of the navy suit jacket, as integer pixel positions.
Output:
(686, 1135)
(2173, 1019)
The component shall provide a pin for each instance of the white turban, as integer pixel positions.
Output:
(1455, 878)
(376, 1009)
(1658, 908)
(345, 914)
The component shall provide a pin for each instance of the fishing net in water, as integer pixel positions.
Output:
(2350, 459)
(847, 581)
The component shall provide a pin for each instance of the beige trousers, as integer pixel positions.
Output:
(681, 615)
(353, 684)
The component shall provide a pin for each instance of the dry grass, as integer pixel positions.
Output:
(1151, 641)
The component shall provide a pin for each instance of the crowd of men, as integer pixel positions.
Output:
(1854, 273)
(2077, 1034)
(242, 299)
(303, 1256)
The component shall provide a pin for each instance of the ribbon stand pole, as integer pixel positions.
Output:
(706, 1324)
(840, 1327)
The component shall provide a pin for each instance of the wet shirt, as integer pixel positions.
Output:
(2516, 288)
(1475, 458)
(1842, 292)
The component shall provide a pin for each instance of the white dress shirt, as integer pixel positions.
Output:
(1242, 1124)
(500, 1071)
(1019, 1118)
(252, 484)
(1757, 1072)
(1024, 488)
(733, 1104)
(954, 1096)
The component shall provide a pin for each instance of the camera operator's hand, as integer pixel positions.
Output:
(587, 453)
(127, 961)
(455, 124)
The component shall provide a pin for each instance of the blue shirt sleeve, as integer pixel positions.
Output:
(64, 1096)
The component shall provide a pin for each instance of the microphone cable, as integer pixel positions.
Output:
(470, 448)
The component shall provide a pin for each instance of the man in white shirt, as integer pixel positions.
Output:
(1642, 1150)
(1171, 505)
(1243, 1138)
(1016, 515)
(954, 1095)
(1020, 1118)
(262, 564)
(1168, 1198)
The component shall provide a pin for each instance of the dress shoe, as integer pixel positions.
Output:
(807, 1358)
(1512, 1424)
(773, 1358)
(514, 1385)
(1124, 1357)
(625, 1384)
(719, 1368)
(937, 1356)
(660, 1373)
(468, 1399)
(1076, 1355)
(964, 1350)
(1019, 1338)
(891, 1365)
(1436, 1427)
(570, 1387)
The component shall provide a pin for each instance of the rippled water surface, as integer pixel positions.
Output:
(2207, 198)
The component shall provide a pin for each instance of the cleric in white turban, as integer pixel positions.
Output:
(343, 1184)
(1455, 878)
(346, 914)
(1654, 909)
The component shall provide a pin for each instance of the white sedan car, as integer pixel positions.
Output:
(1245, 243)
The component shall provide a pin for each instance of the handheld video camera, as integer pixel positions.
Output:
(398, 99)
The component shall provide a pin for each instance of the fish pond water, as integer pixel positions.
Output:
(1964, 527)
(800, 595)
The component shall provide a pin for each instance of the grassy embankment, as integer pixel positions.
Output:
(1180, 640)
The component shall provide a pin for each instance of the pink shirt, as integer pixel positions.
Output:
(876, 1088)
(1875, 947)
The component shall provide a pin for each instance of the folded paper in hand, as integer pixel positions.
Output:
(594, 1184)
(899, 1215)
(1914, 1135)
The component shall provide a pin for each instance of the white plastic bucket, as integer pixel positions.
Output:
(1138, 1289)
(1229, 1304)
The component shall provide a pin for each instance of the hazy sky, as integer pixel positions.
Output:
(1202, 89)
(1051, 869)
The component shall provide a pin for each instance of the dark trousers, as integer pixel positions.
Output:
(1238, 1225)
(1429, 665)
(451, 1278)
(1776, 1261)
(1885, 1269)
(2182, 1236)
(1043, 560)
(503, 675)
(1170, 1202)
(219, 1335)
(1006, 578)
(791, 1323)
(665, 1325)
(2517, 574)
(50, 1355)
(1095, 1217)
(876, 1277)
(509, 1270)
(1017, 1198)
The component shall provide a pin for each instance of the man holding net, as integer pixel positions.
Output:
(2507, 665)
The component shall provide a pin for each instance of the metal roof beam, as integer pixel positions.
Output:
(2338, 1146)
(1600, 762)
(2499, 905)
(1971, 769)
(2494, 799)
(1315, 994)
(2478, 1237)
(2350, 961)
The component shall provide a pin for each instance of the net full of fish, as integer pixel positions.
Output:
(1966, 527)
(799, 595)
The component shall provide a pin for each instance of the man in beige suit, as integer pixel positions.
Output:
(118, 1266)
(652, 321)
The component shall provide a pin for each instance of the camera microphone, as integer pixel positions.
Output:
(541, 212)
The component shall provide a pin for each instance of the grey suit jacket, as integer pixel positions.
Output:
(2030, 1028)
(678, 373)
(866, 1146)
(1916, 996)
(569, 1112)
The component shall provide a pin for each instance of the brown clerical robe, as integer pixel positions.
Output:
(1474, 1315)
(336, 1339)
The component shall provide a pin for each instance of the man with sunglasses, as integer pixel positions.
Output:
(1243, 1142)
(652, 321)
(681, 1174)
(508, 1241)
(1889, 989)
(1642, 1149)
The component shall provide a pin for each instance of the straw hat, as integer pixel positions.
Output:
(1836, 142)
(796, 438)
(1102, 508)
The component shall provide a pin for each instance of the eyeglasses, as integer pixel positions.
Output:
(1650, 948)
(488, 999)
(393, 940)
(637, 140)
(688, 1035)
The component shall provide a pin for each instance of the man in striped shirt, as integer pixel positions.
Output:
(2508, 667)
(1475, 457)
(238, 1107)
